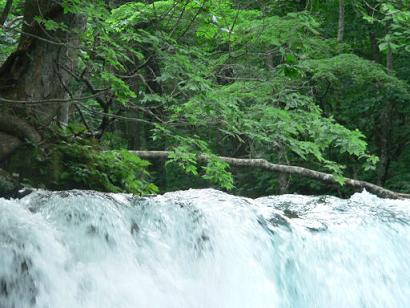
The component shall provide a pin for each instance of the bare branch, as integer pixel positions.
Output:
(295, 170)
(50, 101)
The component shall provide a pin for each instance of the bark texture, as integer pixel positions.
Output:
(294, 170)
(385, 130)
(375, 46)
(33, 72)
(8, 144)
(341, 24)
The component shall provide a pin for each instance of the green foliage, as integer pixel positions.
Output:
(235, 78)
(8, 35)
(185, 159)
(113, 171)
(395, 17)
(78, 163)
(216, 171)
(258, 108)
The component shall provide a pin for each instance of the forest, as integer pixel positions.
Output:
(204, 153)
(253, 97)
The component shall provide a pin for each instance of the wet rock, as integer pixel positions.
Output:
(19, 288)
(290, 214)
(320, 228)
(135, 229)
(92, 230)
(9, 186)
(279, 221)
(203, 244)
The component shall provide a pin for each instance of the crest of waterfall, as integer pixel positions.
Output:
(203, 248)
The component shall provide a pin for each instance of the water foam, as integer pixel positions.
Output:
(203, 248)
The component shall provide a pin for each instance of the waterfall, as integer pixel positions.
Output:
(203, 248)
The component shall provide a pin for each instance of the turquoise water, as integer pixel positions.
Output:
(203, 248)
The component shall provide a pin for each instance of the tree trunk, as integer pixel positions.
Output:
(34, 71)
(384, 144)
(8, 144)
(269, 61)
(341, 25)
(385, 130)
(375, 47)
(389, 61)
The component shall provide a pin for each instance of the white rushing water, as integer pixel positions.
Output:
(203, 248)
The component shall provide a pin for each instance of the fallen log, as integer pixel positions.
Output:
(293, 170)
